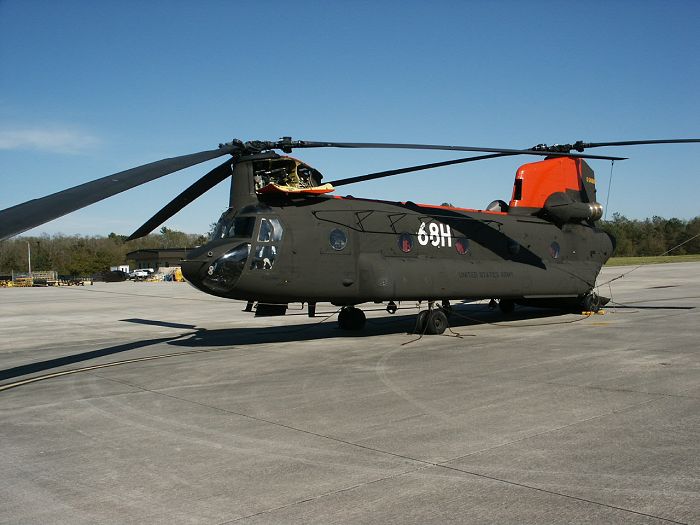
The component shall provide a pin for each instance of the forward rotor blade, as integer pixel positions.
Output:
(377, 145)
(638, 142)
(22, 217)
(389, 173)
(199, 188)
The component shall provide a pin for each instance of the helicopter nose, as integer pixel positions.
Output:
(192, 271)
(218, 277)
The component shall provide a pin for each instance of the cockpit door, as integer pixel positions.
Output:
(268, 242)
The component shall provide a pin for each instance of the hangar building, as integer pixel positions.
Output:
(157, 259)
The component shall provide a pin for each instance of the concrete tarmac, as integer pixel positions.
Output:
(156, 403)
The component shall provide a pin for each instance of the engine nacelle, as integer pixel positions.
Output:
(561, 207)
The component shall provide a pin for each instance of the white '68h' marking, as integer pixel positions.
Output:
(437, 235)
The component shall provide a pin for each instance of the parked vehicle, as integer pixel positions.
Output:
(140, 274)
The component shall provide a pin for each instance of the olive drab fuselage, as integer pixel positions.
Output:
(281, 248)
(284, 239)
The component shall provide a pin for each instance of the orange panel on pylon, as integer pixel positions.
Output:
(536, 181)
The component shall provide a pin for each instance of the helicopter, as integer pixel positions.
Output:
(285, 239)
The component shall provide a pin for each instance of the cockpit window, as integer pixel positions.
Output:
(241, 227)
(229, 227)
(270, 230)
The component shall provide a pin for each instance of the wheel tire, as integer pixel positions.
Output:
(421, 321)
(437, 322)
(351, 318)
(344, 319)
(506, 306)
(359, 319)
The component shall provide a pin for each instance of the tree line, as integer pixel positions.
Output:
(655, 236)
(78, 255)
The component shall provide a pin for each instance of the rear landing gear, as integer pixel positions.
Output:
(351, 318)
(436, 322)
(432, 321)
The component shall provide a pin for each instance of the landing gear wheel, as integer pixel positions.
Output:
(351, 318)
(506, 306)
(591, 302)
(421, 321)
(437, 322)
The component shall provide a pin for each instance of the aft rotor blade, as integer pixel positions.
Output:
(378, 145)
(22, 217)
(195, 191)
(389, 173)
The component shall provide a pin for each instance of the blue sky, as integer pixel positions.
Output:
(92, 88)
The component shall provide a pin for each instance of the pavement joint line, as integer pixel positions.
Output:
(548, 431)
(592, 418)
(268, 421)
(325, 495)
(577, 498)
(424, 464)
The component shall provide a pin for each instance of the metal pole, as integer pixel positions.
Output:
(607, 199)
(29, 258)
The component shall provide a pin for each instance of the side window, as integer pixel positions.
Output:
(338, 239)
(554, 250)
(270, 230)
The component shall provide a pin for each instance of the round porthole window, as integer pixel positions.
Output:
(338, 239)
(462, 246)
(405, 242)
(554, 250)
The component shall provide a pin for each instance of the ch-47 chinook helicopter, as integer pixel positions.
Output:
(284, 239)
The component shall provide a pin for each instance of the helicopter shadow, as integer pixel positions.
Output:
(462, 316)
(72, 359)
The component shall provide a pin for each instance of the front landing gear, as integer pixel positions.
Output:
(506, 306)
(351, 318)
